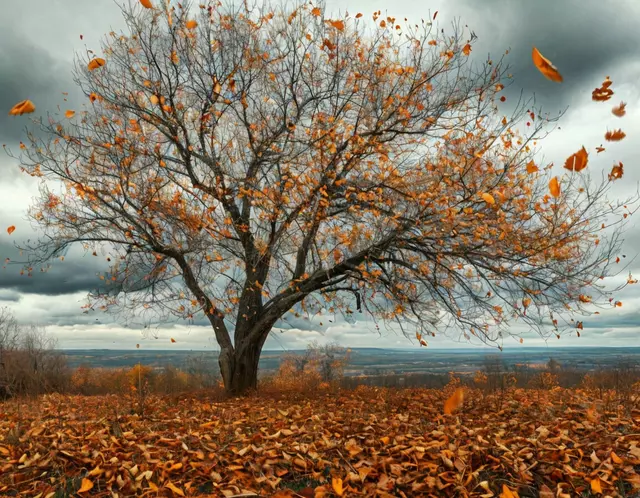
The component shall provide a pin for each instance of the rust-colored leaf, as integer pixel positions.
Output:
(173, 340)
(619, 110)
(466, 50)
(615, 135)
(454, 402)
(577, 161)
(11, 229)
(545, 67)
(616, 172)
(531, 167)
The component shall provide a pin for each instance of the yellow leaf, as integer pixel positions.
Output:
(596, 487)
(24, 107)
(506, 492)
(96, 63)
(336, 483)
(454, 402)
(554, 187)
(488, 198)
(87, 484)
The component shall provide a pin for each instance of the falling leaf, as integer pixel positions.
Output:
(69, 114)
(616, 172)
(435, 14)
(531, 167)
(339, 25)
(619, 110)
(137, 346)
(577, 161)
(603, 93)
(596, 487)
(96, 63)
(554, 187)
(24, 107)
(146, 4)
(615, 135)
(11, 229)
(454, 402)
(87, 484)
(600, 149)
(545, 66)
(466, 50)
(488, 198)
(191, 24)
(173, 340)
(336, 484)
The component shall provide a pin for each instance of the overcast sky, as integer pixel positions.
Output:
(586, 40)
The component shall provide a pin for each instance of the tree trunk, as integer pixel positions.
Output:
(239, 367)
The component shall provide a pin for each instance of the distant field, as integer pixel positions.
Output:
(374, 360)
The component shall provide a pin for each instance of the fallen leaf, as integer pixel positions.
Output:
(87, 484)
(596, 487)
(175, 489)
(336, 484)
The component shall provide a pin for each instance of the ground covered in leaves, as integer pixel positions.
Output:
(367, 442)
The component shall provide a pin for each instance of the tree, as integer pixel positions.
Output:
(238, 162)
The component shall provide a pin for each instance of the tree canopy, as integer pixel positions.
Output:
(238, 161)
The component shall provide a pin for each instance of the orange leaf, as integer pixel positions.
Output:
(619, 110)
(545, 66)
(316, 12)
(339, 25)
(596, 487)
(175, 489)
(454, 402)
(506, 492)
(531, 167)
(96, 63)
(466, 50)
(336, 484)
(191, 24)
(173, 340)
(488, 198)
(615, 135)
(616, 172)
(600, 149)
(577, 161)
(146, 4)
(87, 484)
(584, 299)
(603, 93)
(11, 229)
(554, 187)
(615, 458)
(24, 107)
(69, 114)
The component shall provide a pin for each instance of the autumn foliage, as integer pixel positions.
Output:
(238, 163)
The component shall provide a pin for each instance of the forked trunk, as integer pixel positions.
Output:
(239, 368)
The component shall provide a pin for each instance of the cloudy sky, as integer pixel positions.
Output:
(586, 39)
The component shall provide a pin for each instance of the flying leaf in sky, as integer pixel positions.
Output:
(615, 135)
(69, 114)
(11, 229)
(619, 110)
(191, 24)
(454, 402)
(466, 50)
(554, 187)
(577, 161)
(24, 107)
(603, 93)
(96, 63)
(545, 67)
(173, 340)
(616, 172)
(600, 149)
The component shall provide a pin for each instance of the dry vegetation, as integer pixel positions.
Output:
(332, 442)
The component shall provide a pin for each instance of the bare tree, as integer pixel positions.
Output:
(238, 161)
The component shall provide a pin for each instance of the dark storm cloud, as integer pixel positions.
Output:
(584, 39)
